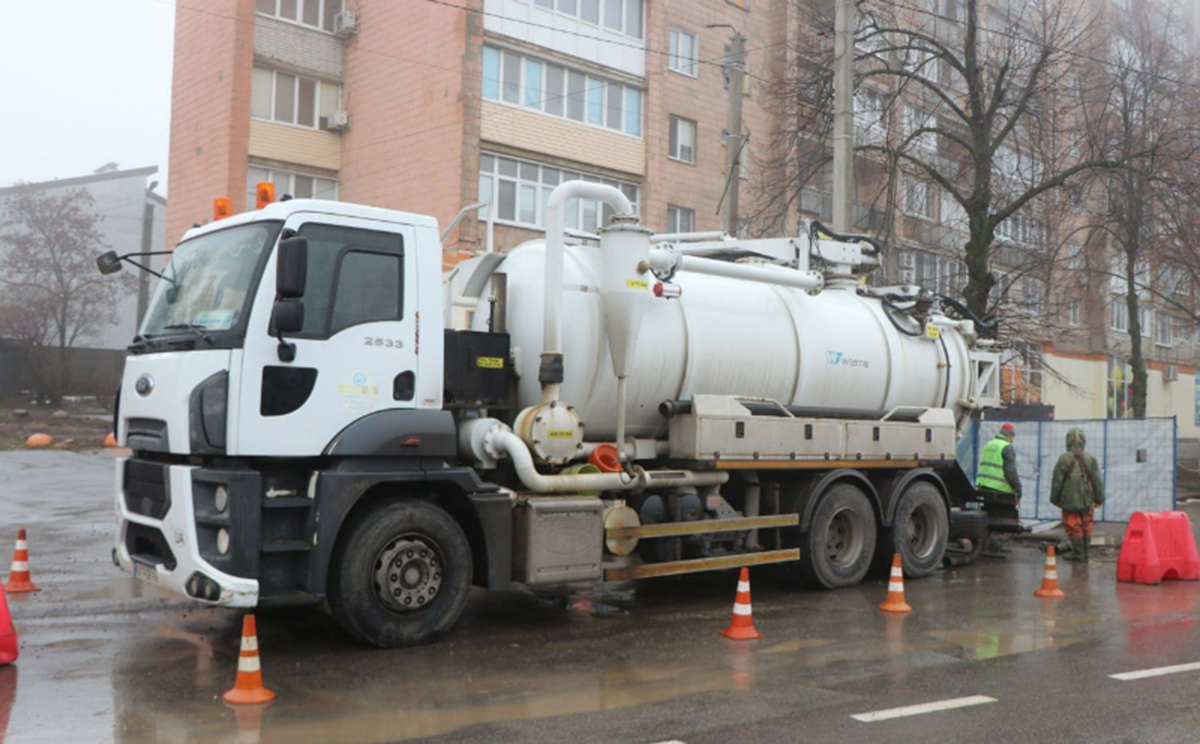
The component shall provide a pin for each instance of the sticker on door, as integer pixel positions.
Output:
(358, 392)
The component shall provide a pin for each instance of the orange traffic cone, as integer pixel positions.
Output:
(8, 639)
(1050, 588)
(110, 440)
(249, 690)
(895, 596)
(18, 580)
(741, 627)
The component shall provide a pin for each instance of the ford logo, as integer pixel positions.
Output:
(144, 385)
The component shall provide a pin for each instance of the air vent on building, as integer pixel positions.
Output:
(339, 121)
(345, 23)
(1170, 373)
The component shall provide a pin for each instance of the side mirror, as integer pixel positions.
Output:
(108, 263)
(291, 268)
(287, 317)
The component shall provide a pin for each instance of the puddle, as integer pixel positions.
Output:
(986, 645)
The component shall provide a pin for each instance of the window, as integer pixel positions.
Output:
(680, 219)
(299, 185)
(1021, 374)
(684, 57)
(366, 266)
(291, 99)
(917, 198)
(519, 189)
(512, 78)
(1164, 329)
(1075, 312)
(368, 289)
(914, 121)
(1028, 296)
(1120, 315)
(906, 265)
(313, 13)
(1120, 384)
(870, 109)
(622, 16)
(682, 145)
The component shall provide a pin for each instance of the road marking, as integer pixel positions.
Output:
(1156, 672)
(916, 710)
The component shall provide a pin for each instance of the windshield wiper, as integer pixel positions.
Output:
(193, 327)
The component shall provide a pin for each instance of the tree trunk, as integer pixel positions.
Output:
(1137, 360)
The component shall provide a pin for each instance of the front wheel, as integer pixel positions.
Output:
(400, 574)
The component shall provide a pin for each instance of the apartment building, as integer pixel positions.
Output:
(430, 106)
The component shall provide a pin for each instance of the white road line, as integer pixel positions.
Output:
(916, 710)
(1156, 672)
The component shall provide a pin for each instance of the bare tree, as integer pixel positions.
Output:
(52, 296)
(990, 114)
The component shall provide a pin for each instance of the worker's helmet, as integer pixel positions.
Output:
(1008, 429)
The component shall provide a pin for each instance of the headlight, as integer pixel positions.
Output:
(223, 541)
(221, 498)
(207, 418)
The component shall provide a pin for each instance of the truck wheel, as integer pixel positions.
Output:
(400, 574)
(836, 550)
(968, 536)
(918, 533)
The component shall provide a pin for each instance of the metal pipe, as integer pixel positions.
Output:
(550, 374)
(752, 507)
(670, 408)
(507, 443)
(689, 237)
(621, 401)
(806, 280)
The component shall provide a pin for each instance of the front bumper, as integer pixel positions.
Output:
(166, 548)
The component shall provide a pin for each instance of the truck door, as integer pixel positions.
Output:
(357, 352)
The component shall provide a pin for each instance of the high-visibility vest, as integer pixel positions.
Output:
(991, 466)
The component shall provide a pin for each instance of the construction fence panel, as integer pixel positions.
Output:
(1137, 458)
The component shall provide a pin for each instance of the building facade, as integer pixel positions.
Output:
(430, 106)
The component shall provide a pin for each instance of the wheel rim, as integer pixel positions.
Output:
(922, 531)
(408, 573)
(844, 541)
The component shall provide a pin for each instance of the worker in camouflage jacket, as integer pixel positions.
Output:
(1077, 489)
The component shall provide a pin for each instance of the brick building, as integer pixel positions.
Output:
(430, 106)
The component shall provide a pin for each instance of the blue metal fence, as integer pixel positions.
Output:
(1137, 457)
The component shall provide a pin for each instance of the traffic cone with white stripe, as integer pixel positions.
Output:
(895, 596)
(248, 689)
(1050, 588)
(741, 627)
(18, 579)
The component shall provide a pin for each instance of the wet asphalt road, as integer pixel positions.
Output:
(104, 658)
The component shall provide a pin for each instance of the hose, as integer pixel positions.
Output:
(985, 326)
(817, 226)
(888, 306)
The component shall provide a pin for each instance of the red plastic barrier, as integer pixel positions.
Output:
(1158, 546)
(8, 634)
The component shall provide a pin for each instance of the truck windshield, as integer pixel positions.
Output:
(207, 284)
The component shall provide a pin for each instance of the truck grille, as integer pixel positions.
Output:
(146, 488)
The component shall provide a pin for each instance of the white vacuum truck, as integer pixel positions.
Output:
(305, 425)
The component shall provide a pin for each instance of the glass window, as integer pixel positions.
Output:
(368, 289)
(529, 200)
(633, 18)
(506, 209)
(508, 167)
(511, 83)
(522, 188)
(491, 73)
(682, 139)
(616, 96)
(533, 83)
(303, 187)
(287, 9)
(683, 52)
(589, 10)
(548, 4)
(325, 188)
(595, 101)
(266, 7)
(485, 195)
(311, 13)
(555, 79)
(307, 110)
(633, 112)
(260, 93)
(566, 6)
(330, 101)
(285, 98)
(576, 84)
(612, 14)
(680, 219)
(358, 297)
(332, 8)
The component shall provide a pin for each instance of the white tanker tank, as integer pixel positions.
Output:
(833, 349)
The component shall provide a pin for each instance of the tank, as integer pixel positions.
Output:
(724, 336)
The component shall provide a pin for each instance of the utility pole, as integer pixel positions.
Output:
(735, 67)
(843, 117)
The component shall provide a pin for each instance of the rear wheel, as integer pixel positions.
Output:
(918, 532)
(400, 574)
(836, 549)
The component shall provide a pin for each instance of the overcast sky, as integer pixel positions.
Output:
(86, 82)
